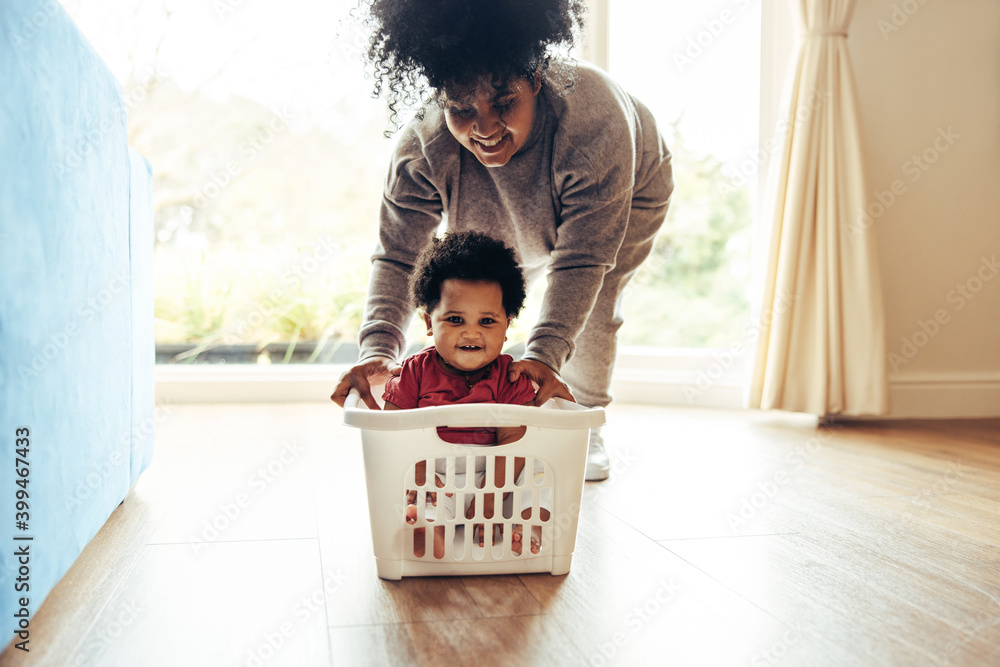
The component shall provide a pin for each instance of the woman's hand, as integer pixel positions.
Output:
(548, 381)
(360, 376)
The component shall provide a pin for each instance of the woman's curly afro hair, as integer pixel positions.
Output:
(418, 47)
(467, 256)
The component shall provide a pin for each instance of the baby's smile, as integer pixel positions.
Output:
(469, 324)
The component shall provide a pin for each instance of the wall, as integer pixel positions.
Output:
(928, 79)
(928, 76)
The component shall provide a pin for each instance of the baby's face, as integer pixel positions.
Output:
(469, 324)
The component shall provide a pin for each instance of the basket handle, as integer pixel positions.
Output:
(352, 400)
(556, 413)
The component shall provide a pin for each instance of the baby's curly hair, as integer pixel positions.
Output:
(418, 47)
(467, 256)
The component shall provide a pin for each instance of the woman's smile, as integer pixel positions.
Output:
(492, 120)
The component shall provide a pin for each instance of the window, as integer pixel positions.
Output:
(696, 66)
(269, 160)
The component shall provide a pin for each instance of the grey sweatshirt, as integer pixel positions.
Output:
(562, 201)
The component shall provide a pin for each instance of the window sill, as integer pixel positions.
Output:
(688, 377)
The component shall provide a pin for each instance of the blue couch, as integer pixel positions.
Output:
(76, 303)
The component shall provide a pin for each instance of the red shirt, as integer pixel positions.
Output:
(422, 383)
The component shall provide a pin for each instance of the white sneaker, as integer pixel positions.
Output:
(598, 463)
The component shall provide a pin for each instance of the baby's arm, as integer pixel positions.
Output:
(391, 406)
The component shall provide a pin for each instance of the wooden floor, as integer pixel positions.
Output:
(722, 538)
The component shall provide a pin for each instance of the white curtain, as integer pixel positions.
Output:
(821, 346)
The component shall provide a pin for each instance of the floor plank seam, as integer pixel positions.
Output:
(676, 555)
(729, 588)
(726, 537)
(215, 542)
(432, 621)
(322, 567)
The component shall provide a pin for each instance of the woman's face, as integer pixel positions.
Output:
(490, 119)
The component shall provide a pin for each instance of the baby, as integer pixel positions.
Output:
(469, 287)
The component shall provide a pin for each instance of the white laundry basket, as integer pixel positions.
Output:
(554, 449)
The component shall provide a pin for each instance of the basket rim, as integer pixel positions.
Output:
(555, 413)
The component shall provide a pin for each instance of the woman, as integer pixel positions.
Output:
(548, 155)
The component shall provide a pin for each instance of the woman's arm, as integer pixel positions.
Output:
(411, 211)
(599, 156)
(360, 377)
(587, 242)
